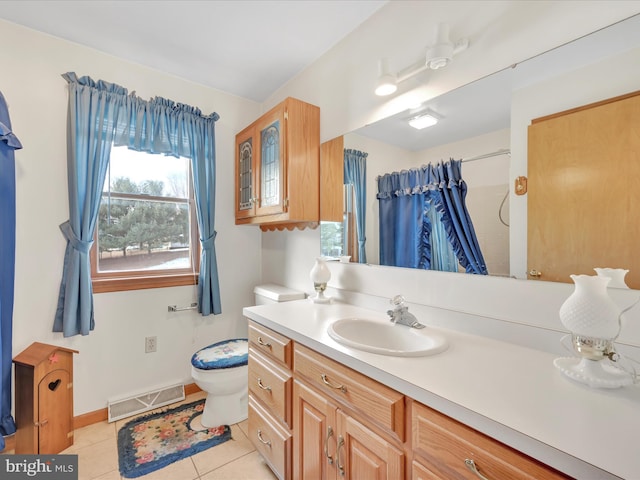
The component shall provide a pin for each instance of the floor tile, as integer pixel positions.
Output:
(224, 453)
(248, 467)
(96, 459)
(181, 470)
(94, 433)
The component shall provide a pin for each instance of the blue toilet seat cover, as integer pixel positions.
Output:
(225, 354)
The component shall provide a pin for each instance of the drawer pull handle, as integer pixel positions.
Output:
(471, 465)
(342, 388)
(262, 386)
(326, 445)
(340, 445)
(263, 343)
(262, 440)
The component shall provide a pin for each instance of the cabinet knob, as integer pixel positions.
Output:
(534, 273)
(340, 465)
(326, 445)
(263, 343)
(262, 386)
(471, 465)
(262, 440)
(325, 380)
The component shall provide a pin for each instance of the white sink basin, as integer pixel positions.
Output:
(377, 336)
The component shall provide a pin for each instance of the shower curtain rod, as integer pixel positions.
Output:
(504, 151)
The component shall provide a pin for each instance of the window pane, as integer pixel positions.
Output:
(143, 235)
(138, 230)
(145, 173)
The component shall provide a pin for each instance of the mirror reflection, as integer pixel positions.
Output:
(475, 126)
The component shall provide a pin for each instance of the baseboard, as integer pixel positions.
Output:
(9, 444)
(89, 418)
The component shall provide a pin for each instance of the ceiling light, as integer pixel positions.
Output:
(439, 55)
(386, 82)
(423, 121)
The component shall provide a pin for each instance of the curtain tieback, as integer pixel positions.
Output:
(76, 243)
(207, 244)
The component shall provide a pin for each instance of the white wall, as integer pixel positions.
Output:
(112, 361)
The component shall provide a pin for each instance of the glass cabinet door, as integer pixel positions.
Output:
(245, 168)
(270, 180)
(270, 165)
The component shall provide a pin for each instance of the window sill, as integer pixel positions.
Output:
(104, 285)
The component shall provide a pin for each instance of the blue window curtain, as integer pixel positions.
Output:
(424, 222)
(93, 109)
(101, 113)
(163, 126)
(355, 173)
(8, 144)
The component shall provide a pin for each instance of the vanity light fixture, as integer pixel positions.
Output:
(386, 82)
(423, 121)
(439, 55)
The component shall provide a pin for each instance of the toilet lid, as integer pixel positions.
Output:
(225, 354)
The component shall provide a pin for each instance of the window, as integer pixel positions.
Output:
(146, 235)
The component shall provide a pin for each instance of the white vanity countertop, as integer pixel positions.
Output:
(509, 392)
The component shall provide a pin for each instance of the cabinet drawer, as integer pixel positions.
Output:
(446, 445)
(271, 384)
(381, 404)
(270, 342)
(272, 441)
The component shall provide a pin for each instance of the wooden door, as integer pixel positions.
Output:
(54, 415)
(314, 439)
(583, 199)
(364, 454)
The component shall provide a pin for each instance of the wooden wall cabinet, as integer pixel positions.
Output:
(44, 399)
(332, 180)
(277, 168)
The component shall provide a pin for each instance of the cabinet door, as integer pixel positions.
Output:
(363, 454)
(314, 438)
(271, 168)
(54, 416)
(245, 173)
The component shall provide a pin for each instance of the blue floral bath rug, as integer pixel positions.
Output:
(149, 443)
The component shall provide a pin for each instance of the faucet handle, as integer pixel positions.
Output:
(397, 300)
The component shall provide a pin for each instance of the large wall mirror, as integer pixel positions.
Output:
(485, 125)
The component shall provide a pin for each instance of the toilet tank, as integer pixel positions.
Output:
(272, 293)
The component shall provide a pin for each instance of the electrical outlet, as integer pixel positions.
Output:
(150, 344)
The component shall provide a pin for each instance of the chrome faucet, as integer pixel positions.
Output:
(400, 313)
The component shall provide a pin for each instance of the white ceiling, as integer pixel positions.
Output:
(248, 48)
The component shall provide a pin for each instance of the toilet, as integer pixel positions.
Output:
(221, 369)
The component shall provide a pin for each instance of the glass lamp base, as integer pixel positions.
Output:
(595, 373)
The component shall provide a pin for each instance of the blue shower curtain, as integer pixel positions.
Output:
(424, 222)
(8, 144)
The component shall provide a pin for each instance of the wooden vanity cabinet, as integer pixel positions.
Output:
(345, 424)
(446, 449)
(270, 401)
(277, 168)
(313, 418)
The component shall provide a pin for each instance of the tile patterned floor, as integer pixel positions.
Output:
(236, 459)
